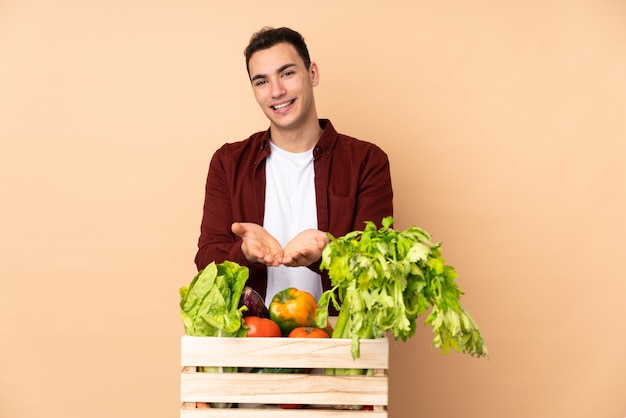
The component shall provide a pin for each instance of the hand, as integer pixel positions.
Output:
(258, 245)
(305, 248)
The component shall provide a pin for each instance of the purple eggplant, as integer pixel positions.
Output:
(254, 302)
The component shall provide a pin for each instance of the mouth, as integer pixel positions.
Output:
(283, 105)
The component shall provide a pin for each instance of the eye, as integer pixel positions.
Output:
(288, 73)
(260, 82)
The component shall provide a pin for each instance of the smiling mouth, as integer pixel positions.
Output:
(282, 105)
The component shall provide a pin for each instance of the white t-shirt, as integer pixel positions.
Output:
(290, 208)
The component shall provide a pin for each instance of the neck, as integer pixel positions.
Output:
(296, 140)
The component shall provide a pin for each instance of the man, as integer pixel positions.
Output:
(271, 198)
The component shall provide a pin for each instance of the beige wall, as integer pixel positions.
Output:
(505, 123)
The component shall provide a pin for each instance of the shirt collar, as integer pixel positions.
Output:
(324, 144)
(328, 138)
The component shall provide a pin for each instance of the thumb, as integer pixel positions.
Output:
(237, 228)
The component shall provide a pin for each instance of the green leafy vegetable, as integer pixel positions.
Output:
(209, 305)
(383, 279)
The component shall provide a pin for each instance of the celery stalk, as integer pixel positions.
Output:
(385, 279)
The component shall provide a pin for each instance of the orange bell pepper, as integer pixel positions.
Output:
(292, 308)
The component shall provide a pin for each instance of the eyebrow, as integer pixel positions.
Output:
(280, 70)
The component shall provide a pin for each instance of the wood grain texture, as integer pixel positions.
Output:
(321, 394)
(283, 352)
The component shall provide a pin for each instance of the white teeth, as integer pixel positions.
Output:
(281, 106)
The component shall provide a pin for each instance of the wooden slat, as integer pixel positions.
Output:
(267, 388)
(283, 352)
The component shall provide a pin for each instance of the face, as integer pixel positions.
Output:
(283, 87)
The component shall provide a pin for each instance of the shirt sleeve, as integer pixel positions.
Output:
(374, 199)
(217, 243)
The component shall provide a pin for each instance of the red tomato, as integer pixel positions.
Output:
(261, 327)
(308, 332)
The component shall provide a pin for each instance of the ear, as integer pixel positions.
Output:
(314, 74)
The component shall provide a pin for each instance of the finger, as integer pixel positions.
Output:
(321, 242)
(237, 228)
(272, 261)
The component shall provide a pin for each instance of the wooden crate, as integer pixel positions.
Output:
(256, 394)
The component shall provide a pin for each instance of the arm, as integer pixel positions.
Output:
(217, 242)
(367, 196)
(230, 229)
(359, 190)
(374, 199)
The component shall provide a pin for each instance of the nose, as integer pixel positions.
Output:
(278, 89)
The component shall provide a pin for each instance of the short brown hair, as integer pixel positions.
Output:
(268, 37)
